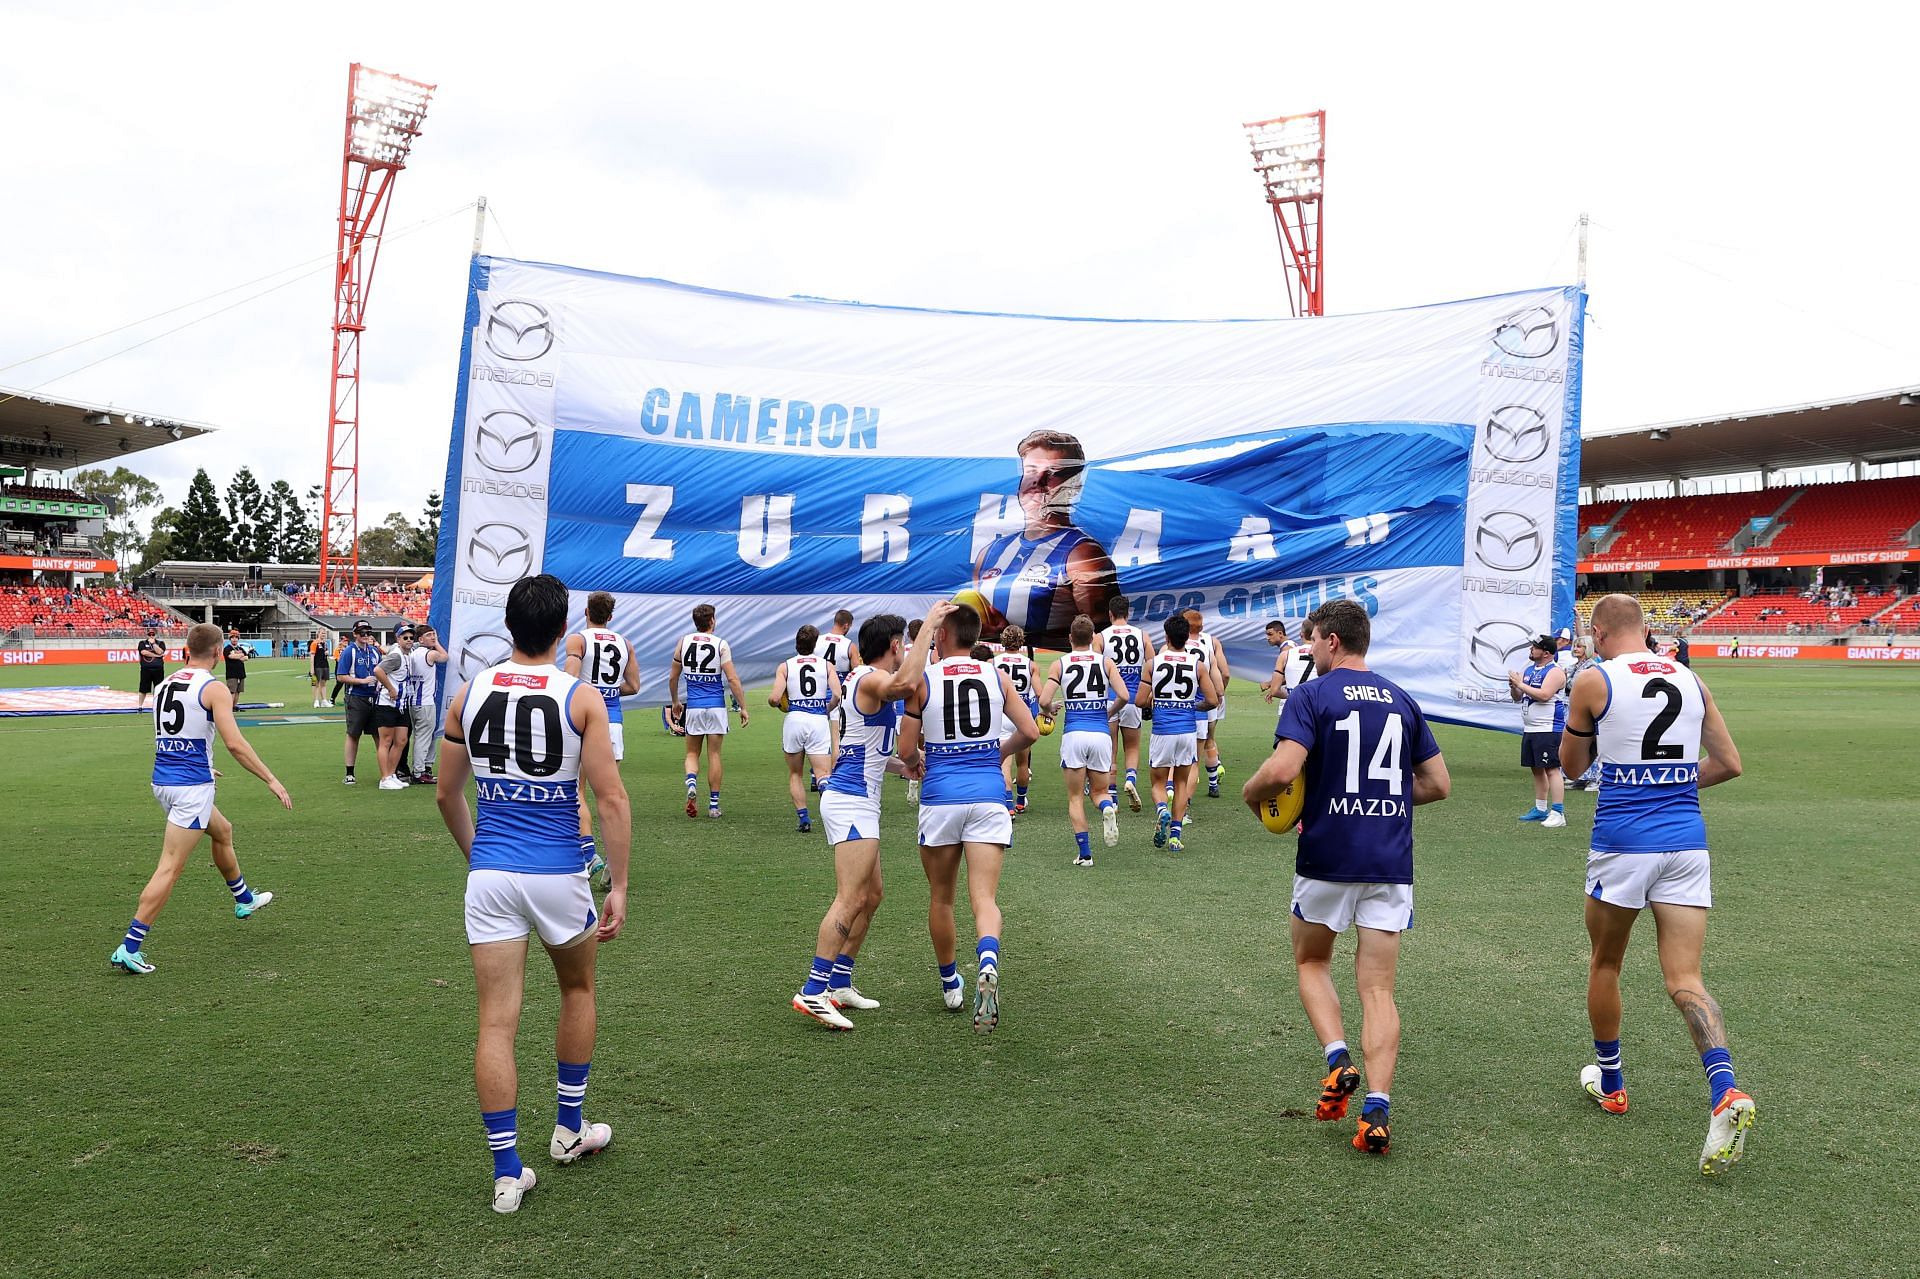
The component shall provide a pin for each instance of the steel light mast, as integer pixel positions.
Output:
(1290, 159)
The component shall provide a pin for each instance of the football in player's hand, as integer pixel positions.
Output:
(1045, 724)
(1281, 813)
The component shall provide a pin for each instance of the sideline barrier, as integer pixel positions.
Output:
(1880, 652)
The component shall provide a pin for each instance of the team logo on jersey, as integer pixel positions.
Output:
(519, 679)
(963, 668)
(1529, 334)
(1508, 542)
(500, 553)
(517, 329)
(1650, 668)
(1036, 573)
(1516, 434)
(1494, 646)
(506, 442)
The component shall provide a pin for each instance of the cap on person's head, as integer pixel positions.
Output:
(406, 628)
(362, 625)
(1544, 642)
(1564, 633)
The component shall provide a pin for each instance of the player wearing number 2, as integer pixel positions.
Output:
(1649, 717)
(1092, 689)
(604, 659)
(808, 688)
(1368, 757)
(530, 733)
(189, 707)
(707, 662)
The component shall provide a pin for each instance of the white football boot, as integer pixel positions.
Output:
(568, 1145)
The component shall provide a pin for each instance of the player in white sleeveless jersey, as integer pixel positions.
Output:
(1129, 648)
(1179, 688)
(604, 659)
(807, 688)
(955, 713)
(850, 809)
(1214, 654)
(190, 706)
(1011, 659)
(1649, 717)
(1089, 686)
(707, 662)
(528, 734)
(838, 647)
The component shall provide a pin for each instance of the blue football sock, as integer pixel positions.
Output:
(693, 783)
(1173, 831)
(588, 850)
(1607, 1053)
(949, 975)
(988, 952)
(1560, 808)
(1719, 1067)
(713, 799)
(573, 1094)
(1376, 1101)
(500, 1140)
(805, 815)
(136, 933)
(819, 976)
(1080, 839)
(1019, 794)
(1335, 1051)
(1133, 775)
(238, 887)
(842, 972)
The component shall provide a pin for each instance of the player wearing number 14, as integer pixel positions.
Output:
(1368, 757)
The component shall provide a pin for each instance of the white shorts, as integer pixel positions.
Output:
(805, 733)
(503, 905)
(188, 807)
(1091, 751)
(1631, 880)
(706, 721)
(984, 822)
(1202, 726)
(1387, 907)
(1218, 712)
(1171, 750)
(849, 816)
(1129, 716)
(618, 730)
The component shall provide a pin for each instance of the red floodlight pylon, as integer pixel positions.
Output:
(1290, 159)
(383, 118)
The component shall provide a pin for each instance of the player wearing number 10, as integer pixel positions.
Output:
(531, 732)
(1368, 757)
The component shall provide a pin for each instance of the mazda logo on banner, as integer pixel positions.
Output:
(517, 329)
(500, 553)
(1532, 334)
(1508, 542)
(506, 442)
(1494, 646)
(1516, 433)
(479, 652)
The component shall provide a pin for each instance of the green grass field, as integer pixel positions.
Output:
(292, 1095)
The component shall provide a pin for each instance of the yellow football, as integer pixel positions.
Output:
(1281, 813)
(1045, 724)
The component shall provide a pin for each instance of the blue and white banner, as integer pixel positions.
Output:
(781, 459)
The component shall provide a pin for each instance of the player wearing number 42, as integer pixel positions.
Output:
(1648, 718)
(707, 662)
(189, 707)
(1368, 757)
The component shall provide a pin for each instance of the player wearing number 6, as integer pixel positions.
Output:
(1368, 757)
(1649, 717)
(189, 707)
(807, 688)
(605, 660)
(529, 733)
(1093, 690)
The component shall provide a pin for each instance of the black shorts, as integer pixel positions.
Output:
(150, 677)
(322, 672)
(1539, 750)
(359, 714)
(390, 717)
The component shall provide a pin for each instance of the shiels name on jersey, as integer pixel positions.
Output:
(514, 792)
(1653, 774)
(1358, 806)
(1368, 693)
(515, 679)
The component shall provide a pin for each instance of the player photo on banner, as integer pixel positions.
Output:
(781, 459)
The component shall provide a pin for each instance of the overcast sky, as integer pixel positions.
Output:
(1750, 171)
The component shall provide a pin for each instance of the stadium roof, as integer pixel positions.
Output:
(1881, 427)
(38, 431)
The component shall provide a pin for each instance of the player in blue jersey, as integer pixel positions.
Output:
(1178, 689)
(604, 659)
(850, 810)
(190, 706)
(807, 687)
(1129, 649)
(1648, 718)
(528, 733)
(1042, 575)
(955, 712)
(707, 662)
(1539, 688)
(1367, 756)
(1091, 689)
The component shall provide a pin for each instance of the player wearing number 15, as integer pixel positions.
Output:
(529, 733)
(189, 707)
(1368, 757)
(1649, 717)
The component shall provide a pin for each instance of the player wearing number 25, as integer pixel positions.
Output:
(1368, 757)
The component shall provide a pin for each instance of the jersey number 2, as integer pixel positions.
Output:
(1651, 747)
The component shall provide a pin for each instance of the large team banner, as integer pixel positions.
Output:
(783, 458)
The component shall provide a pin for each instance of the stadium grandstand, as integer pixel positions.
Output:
(284, 601)
(1798, 523)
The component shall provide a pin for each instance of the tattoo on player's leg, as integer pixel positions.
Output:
(1703, 1018)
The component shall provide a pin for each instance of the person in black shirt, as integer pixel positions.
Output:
(237, 655)
(153, 668)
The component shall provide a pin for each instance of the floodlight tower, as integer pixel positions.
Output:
(1290, 159)
(384, 113)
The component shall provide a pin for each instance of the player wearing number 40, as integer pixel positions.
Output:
(1368, 757)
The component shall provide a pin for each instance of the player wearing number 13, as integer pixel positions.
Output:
(604, 659)
(1367, 755)
(530, 733)
(1649, 717)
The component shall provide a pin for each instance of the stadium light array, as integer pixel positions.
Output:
(1290, 159)
(386, 113)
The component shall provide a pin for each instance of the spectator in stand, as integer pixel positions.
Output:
(237, 655)
(359, 669)
(423, 698)
(153, 664)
